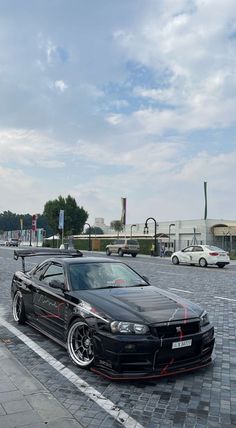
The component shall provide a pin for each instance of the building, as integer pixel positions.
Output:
(178, 234)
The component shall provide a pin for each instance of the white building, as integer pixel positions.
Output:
(181, 233)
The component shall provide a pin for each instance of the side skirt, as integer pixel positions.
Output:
(45, 333)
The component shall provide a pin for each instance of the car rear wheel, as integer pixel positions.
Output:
(175, 260)
(120, 252)
(221, 265)
(203, 262)
(80, 344)
(108, 253)
(133, 254)
(18, 308)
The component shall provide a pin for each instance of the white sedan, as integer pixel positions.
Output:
(201, 255)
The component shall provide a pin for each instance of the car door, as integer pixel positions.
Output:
(28, 287)
(49, 303)
(197, 253)
(186, 255)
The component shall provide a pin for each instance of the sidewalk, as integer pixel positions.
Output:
(25, 402)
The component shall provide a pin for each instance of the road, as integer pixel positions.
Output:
(204, 398)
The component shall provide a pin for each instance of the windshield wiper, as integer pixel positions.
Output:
(139, 285)
(108, 286)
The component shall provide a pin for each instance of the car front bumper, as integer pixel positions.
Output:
(148, 357)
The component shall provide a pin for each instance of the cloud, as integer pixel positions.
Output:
(28, 147)
(134, 98)
(60, 85)
(18, 191)
(197, 58)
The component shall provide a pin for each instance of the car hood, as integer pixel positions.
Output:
(146, 304)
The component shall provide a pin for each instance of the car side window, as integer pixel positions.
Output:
(197, 248)
(188, 249)
(54, 272)
(40, 271)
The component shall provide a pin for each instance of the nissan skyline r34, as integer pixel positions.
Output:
(109, 318)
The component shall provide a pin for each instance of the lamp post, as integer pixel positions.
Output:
(145, 231)
(170, 225)
(132, 225)
(89, 235)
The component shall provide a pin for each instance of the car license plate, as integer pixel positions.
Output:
(182, 344)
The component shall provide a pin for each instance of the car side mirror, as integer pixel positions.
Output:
(57, 284)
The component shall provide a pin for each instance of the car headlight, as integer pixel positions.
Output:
(128, 328)
(204, 319)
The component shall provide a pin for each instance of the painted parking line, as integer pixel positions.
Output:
(225, 298)
(108, 406)
(170, 273)
(183, 291)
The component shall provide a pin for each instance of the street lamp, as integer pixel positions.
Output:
(132, 225)
(145, 231)
(89, 235)
(170, 225)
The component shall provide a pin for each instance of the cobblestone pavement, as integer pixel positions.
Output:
(204, 398)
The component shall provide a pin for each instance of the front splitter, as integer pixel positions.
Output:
(148, 376)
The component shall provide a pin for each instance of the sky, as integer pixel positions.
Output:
(103, 99)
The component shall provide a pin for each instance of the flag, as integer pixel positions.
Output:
(34, 222)
(123, 211)
(21, 223)
(205, 194)
(61, 220)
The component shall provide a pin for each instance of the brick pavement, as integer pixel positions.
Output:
(24, 401)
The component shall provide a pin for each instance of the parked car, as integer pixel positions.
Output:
(123, 246)
(202, 255)
(109, 317)
(12, 242)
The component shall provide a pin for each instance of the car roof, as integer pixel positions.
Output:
(75, 260)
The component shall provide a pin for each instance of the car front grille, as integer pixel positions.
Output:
(176, 330)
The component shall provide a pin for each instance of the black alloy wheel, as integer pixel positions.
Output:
(18, 308)
(80, 344)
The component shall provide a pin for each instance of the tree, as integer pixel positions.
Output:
(12, 221)
(74, 216)
(94, 230)
(117, 225)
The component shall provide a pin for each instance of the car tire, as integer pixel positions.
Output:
(175, 260)
(80, 344)
(120, 252)
(202, 262)
(221, 265)
(18, 308)
(133, 254)
(108, 253)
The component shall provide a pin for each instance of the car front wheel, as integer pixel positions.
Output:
(134, 254)
(203, 262)
(80, 344)
(18, 308)
(108, 253)
(175, 260)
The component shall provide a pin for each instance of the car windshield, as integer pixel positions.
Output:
(213, 248)
(89, 276)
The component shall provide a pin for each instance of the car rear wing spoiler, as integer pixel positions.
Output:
(32, 252)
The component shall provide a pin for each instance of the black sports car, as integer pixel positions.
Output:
(110, 318)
